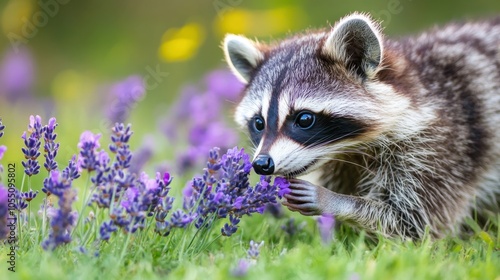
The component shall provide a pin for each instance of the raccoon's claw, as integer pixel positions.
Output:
(303, 198)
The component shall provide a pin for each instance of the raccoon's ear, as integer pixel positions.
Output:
(356, 41)
(242, 55)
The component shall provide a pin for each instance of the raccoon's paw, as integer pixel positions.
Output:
(303, 198)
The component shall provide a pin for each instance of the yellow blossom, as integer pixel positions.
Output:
(181, 44)
(259, 23)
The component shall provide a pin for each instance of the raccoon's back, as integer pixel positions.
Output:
(459, 68)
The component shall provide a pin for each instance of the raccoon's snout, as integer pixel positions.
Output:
(263, 165)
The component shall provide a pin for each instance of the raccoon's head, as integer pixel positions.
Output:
(310, 96)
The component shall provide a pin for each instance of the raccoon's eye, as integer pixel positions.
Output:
(305, 120)
(258, 123)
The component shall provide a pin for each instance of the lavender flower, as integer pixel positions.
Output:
(124, 95)
(120, 137)
(147, 197)
(3, 149)
(202, 112)
(20, 204)
(4, 212)
(106, 229)
(45, 206)
(325, 225)
(291, 227)
(17, 74)
(142, 156)
(103, 168)
(32, 143)
(131, 197)
(62, 220)
(223, 84)
(56, 185)
(50, 147)
(112, 180)
(204, 136)
(70, 172)
(224, 191)
(244, 264)
(163, 204)
(242, 268)
(88, 145)
(179, 112)
(275, 209)
(180, 219)
(254, 250)
(29, 195)
(2, 127)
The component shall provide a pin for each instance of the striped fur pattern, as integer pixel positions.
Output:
(405, 134)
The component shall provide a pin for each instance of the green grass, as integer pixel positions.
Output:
(302, 256)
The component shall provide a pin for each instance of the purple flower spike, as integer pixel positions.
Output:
(35, 126)
(283, 186)
(326, 224)
(241, 269)
(136, 196)
(88, 145)
(223, 84)
(20, 204)
(3, 149)
(50, 147)
(103, 168)
(291, 227)
(142, 156)
(63, 219)
(88, 138)
(120, 137)
(29, 195)
(2, 127)
(254, 250)
(32, 142)
(181, 219)
(56, 184)
(71, 171)
(17, 74)
(124, 95)
(106, 229)
(275, 209)
(206, 128)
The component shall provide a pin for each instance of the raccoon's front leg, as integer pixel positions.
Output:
(309, 199)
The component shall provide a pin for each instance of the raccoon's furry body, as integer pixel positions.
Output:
(394, 135)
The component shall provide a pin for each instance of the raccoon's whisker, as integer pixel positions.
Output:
(355, 164)
(327, 151)
(356, 152)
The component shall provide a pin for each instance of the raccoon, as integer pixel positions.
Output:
(390, 136)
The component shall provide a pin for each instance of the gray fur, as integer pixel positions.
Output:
(426, 149)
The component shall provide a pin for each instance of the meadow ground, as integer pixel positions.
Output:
(282, 256)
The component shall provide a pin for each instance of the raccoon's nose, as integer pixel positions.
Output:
(263, 165)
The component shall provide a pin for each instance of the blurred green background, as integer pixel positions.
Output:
(79, 47)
